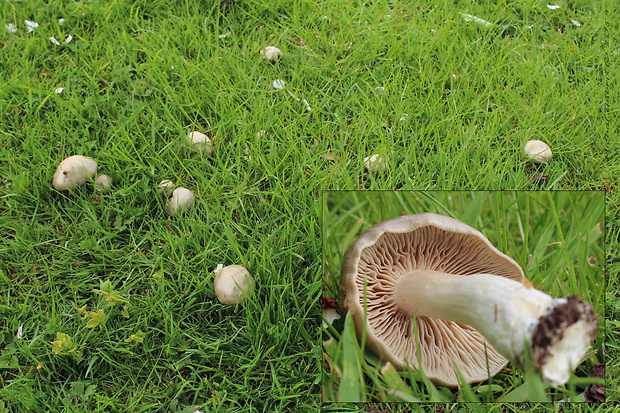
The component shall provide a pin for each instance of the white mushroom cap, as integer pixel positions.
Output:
(165, 187)
(233, 284)
(375, 163)
(201, 141)
(182, 199)
(103, 183)
(73, 172)
(271, 53)
(537, 151)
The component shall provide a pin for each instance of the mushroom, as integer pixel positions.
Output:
(537, 151)
(471, 305)
(182, 199)
(233, 284)
(201, 141)
(166, 187)
(271, 53)
(375, 164)
(103, 183)
(73, 172)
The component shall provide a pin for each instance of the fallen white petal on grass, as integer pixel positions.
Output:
(221, 36)
(20, 332)
(68, 39)
(31, 25)
(11, 28)
(404, 116)
(380, 88)
(260, 133)
(576, 23)
(61, 21)
(218, 268)
(53, 40)
(308, 108)
(279, 84)
(59, 90)
(477, 20)
(553, 6)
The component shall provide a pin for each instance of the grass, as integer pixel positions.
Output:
(556, 237)
(139, 75)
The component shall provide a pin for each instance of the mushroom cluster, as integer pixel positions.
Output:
(76, 170)
(469, 305)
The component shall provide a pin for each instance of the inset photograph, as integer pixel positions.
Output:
(485, 296)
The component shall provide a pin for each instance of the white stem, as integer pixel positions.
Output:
(507, 313)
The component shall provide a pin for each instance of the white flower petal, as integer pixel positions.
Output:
(61, 21)
(31, 25)
(11, 28)
(576, 23)
(68, 39)
(59, 90)
(477, 20)
(279, 84)
(308, 108)
(20, 332)
(218, 268)
(404, 116)
(553, 6)
(53, 39)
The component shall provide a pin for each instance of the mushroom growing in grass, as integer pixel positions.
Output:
(103, 183)
(165, 187)
(182, 199)
(470, 305)
(200, 141)
(233, 284)
(271, 53)
(375, 164)
(537, 151)
(73, 172)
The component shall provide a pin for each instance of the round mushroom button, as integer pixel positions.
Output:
(233, 284)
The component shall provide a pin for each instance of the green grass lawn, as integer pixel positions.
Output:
(137, 76)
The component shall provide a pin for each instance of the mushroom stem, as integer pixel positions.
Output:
(509, 314)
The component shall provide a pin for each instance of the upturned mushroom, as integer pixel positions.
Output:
(233, 284)
(73, 172)
(182, 199)
(471, 305)
(537, 151)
